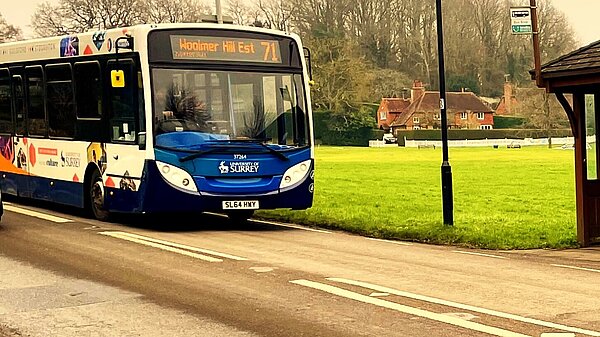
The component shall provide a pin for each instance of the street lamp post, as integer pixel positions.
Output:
(447, 202)
(219, 11)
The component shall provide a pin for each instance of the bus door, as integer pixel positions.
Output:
(36, 130)
(124, 157)
(6, 130)
(20, 143)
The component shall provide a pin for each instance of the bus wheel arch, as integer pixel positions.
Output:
(94, 193)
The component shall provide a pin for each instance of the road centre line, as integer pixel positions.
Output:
(409, 310)
(401, 243)
(35, 214)
(577, 268)
(464, 306)
(186, 247)
(119, 235)
(478, 254)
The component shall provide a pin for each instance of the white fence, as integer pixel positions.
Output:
(380, 143)
(566, 141)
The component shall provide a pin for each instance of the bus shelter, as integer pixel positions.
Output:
(578, 74)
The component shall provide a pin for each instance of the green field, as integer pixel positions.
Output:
(503, 198)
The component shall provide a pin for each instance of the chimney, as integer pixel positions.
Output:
(417, 90)
(508, 97)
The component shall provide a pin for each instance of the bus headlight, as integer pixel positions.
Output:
(295, 174)
(177, 177)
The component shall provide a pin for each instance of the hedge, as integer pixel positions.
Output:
(325, 136)
(508, 122)
(456, 134)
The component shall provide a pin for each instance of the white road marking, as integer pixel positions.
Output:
(379, 294)
(292, 226)
(478, 254)
(401, 243)
(278, 224)
(119, 235)
(262, 269)
(465, 306)
(557, 334)
(186, 247)
(216, 214)
(35, 214)
(462, 315)
(409, 310)
(577, 268)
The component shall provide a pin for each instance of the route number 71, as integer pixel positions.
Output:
(270, 51)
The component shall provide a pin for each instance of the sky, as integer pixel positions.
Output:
(580, 13)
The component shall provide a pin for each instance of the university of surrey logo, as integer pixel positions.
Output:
(223, 168)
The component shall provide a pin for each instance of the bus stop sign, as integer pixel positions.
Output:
(520, 20)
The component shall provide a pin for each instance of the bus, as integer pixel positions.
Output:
(161, 118)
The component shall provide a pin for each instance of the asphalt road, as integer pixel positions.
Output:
(199, 275)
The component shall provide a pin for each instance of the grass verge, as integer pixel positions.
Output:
(503, 198)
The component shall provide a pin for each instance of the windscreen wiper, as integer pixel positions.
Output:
(255, 141)
(198, 154)
(194, 153)
(272, 150)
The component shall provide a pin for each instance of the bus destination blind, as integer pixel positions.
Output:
(211, 48)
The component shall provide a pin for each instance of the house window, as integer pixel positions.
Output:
(382, 115)
(415, 120)
(485, 127)
(416, 127)
(480, 115)
(436, 116)
(463, 115)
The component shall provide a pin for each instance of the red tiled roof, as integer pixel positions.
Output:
(395, 104)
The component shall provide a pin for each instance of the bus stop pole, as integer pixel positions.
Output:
(536, 43)
(447, 202)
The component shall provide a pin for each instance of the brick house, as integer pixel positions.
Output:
(389, 109)
(464, 110)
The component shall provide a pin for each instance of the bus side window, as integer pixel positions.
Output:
(6, 124)
(123, 99)
(19, 102)
(88, 86)
(60, 101)
(36, 114)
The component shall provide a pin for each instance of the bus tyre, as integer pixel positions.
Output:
(96, 197)
(240, 216)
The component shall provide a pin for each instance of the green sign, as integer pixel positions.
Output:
(521, 29)
(212, 48)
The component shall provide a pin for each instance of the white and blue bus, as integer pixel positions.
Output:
(159, 118)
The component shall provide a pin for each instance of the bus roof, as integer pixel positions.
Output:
(103, 41)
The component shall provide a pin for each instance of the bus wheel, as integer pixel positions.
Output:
(240, 216)
(96, 197)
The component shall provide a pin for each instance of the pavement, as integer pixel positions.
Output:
(70, 307)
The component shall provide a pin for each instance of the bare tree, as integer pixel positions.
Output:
(74, 16)
(163, 11)
(277, 13)
(243, 13)
(8, 32)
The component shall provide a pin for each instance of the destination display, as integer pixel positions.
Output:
(211, 48)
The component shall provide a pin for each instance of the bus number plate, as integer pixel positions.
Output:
(240, 204)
